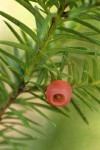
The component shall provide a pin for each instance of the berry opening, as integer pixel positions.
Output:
(58, 98)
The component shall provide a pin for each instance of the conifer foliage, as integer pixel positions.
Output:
(63, 46)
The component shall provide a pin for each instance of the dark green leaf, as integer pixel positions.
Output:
(20, 25)
(87, 25)
(79, 111)
(92, 95)
(31, 9)
(20, 116)
(14, 32)
(20, 46)
(6, 80)
(13, 58)
(79, 34)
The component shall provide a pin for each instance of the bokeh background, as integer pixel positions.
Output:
(69, 134)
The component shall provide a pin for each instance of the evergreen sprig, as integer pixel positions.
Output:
(45, 59)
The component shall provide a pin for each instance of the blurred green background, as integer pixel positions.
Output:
(69, 134)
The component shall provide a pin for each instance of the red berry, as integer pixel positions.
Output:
(59, 93)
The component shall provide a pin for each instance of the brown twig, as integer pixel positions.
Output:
(12, 99)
